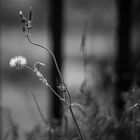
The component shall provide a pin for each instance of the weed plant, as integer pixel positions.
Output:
(91, 122)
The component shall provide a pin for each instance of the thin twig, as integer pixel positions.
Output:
(28, 68)
(76, 124)
(37, 105)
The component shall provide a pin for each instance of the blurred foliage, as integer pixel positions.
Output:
(97, 121)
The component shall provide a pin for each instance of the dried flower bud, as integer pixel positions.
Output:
(38, 65)
(23, 19)
(27, 22)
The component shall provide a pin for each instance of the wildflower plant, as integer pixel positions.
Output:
(95, 123)
(20, 62)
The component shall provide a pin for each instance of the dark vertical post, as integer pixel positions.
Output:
(136, 37)
(0, 79)
(123, 65)
(56, 25)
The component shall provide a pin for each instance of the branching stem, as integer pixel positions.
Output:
(56, 64)
(67, 91)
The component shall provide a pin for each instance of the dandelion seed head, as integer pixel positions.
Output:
(18, 62)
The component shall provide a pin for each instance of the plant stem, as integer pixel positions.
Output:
(76, 124)
(70, 109)
(28, 68)
(38, 107)
(68, 93)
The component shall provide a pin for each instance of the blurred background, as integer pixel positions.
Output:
(101, 19)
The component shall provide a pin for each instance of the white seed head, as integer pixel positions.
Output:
(18, 62)
(20, 12)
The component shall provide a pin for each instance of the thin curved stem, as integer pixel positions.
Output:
(76, 124)
(56, 64)
(28, 68)
(74, 119)
(38, 107)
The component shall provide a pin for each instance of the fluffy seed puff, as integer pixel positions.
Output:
(18, 62)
